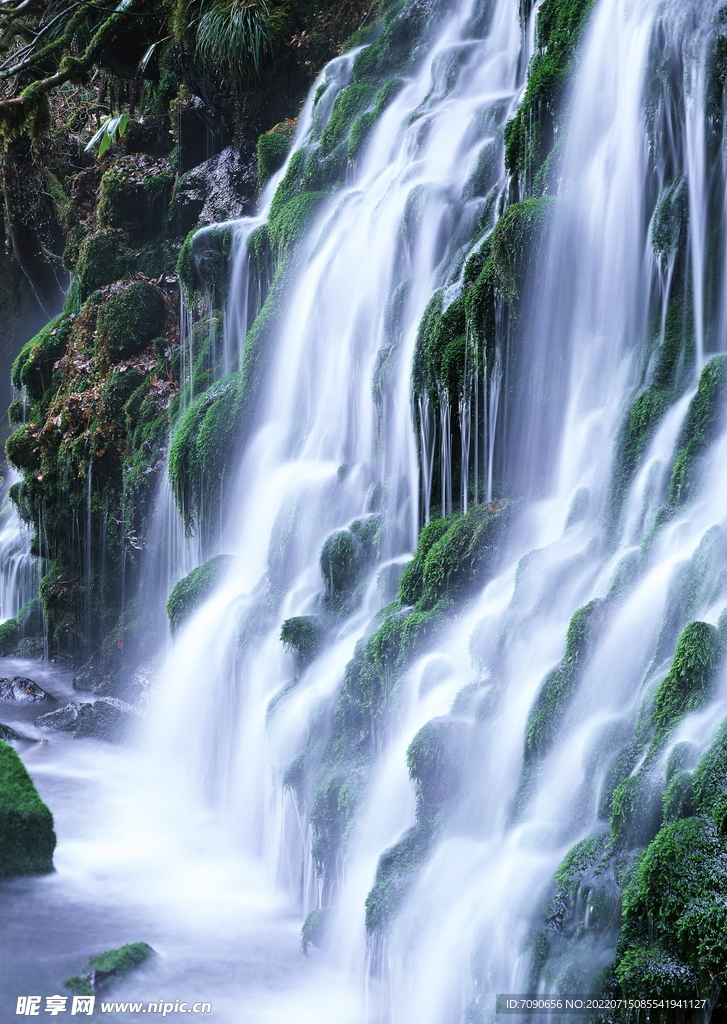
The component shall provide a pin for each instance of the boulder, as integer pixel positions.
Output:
(23, 691)
(107, 718)
(63, 719)
(222, 188)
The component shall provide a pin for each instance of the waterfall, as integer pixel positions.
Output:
(576, 420)
(18, 568)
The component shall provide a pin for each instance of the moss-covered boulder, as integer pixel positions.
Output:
(689, 681)
(272, 149)
(105, 969)
(196, 586)
(303, 634)
(33, 368)
(102, 259)
(27, 839)
(134, 195)
(204, 262)
(22, 448)
(129, 320)
(704, 419)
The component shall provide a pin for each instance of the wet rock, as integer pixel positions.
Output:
(63, 720)
(107, 968)
(23, 691)
(11, 736)
(108, 718)
(90, 680)
(222, 188)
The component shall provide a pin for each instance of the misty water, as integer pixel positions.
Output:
(188, 838)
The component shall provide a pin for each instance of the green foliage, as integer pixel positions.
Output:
(412, 581)
(349, 104)
(691, 676)
(289, 222)
(129, 320)
(232, 34)
(27, 839)
(701, 426)
(195, 588)
(531, 135)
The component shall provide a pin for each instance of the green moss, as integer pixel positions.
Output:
(204, 263)
(195, 588)
(532, 133)
(674, 916)
(102, 259)
(560, 684)
(119, 386)
(289, 223)
(580, 860)
(691, 676)
(303, 634)
(315, 926)
(463, 558)
(637, 431)
(272, 149)
(133, 195)
(22, 449)
(107, 968)
(130, 319)
(701, 426)
(9, 637)
(350, 102)
(435, 758)
(33, 368)
(671, 216)
(27, 839)
(203, 446)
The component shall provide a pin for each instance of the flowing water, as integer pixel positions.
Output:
(196, 836)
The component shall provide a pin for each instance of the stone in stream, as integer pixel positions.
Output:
(27, 839)
(63, 719)
(9, 734)
(106, 968)
(23, 691)
(107, 718)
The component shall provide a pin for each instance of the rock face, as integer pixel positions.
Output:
(222, 188)
(108, 718)
(63, 720)
(23, 691)
(27, 839)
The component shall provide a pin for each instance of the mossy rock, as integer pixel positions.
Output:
(204, 262)
(702, 424)
(105, 969)
(27, 839)
(33, 368)
(689, 681)
(23, 450)
(102, 259)
(118, 388)
(133, 196)
(304, 635)
(272, 149)
(195, 588)
(129, 320)
(288, 223)
(464, 557)
(315, 928)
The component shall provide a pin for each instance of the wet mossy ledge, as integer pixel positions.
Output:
(27, 839)
(454, 559)
(195, 588)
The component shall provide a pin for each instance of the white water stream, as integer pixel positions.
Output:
(189, 841)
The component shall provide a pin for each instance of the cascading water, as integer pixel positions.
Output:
(18, 568)
(523, 714)
(336, 420)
